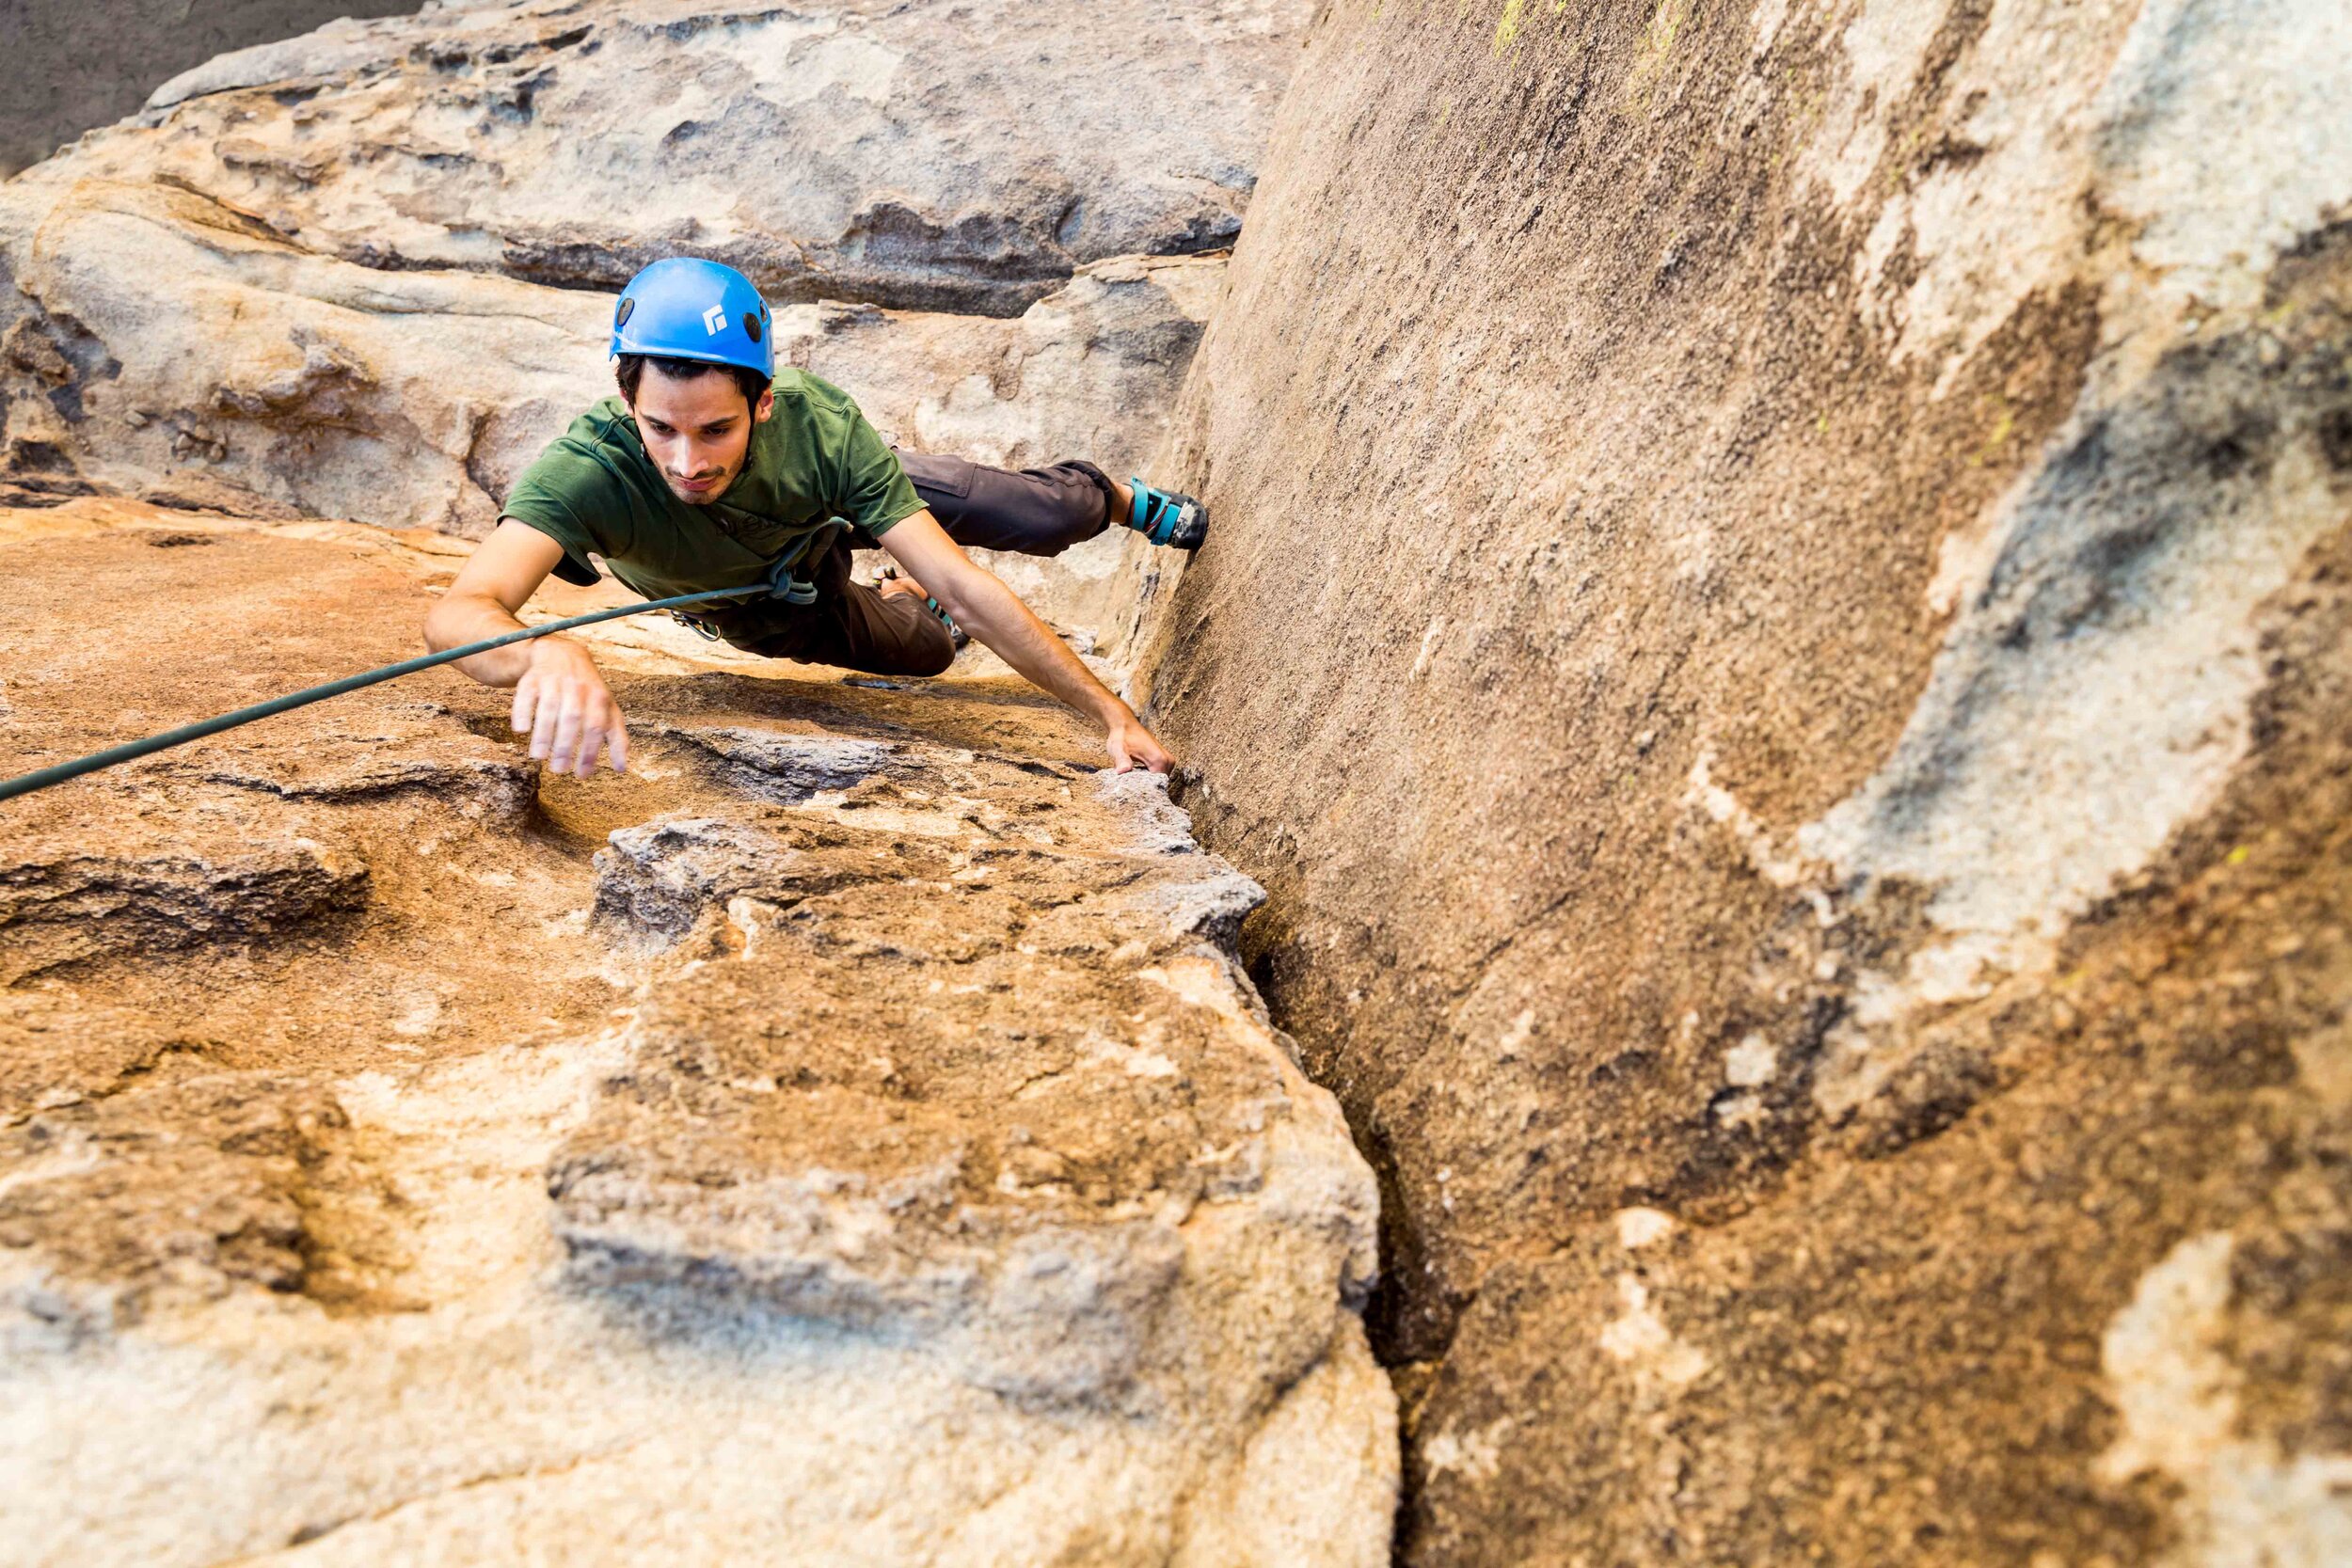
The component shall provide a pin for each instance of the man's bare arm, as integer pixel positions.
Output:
(501, 574)
(558, 696)
(992, 612)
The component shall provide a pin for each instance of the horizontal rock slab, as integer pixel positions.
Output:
(851, 1128)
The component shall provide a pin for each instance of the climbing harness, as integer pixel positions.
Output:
(786, 584)
(781, 584)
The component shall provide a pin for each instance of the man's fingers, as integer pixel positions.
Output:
(547, 731)
(1131, 746)
(567, 728)
(602, 731)
(547, 710)
(572, 723)
(591, 742)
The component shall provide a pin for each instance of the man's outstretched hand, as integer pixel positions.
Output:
(1131, 746)
(563, 703)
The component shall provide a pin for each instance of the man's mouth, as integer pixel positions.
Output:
(700, 487)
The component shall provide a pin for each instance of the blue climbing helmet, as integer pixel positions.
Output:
(684, 307)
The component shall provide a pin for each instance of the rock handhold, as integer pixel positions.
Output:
(61, 903)
(653, 882)
(785, 766)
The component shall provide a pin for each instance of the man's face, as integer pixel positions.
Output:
(698, 430)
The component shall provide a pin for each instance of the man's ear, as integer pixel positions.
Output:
(765, 407)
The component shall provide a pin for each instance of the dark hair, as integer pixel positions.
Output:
(632, 369)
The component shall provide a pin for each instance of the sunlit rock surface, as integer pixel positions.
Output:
(845, 1138)
(958, 155)
(368, 272)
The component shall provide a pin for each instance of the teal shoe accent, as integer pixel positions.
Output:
(1165, 518)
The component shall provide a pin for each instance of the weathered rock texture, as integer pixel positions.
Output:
(414, 399)
(848, 1138)
(965, 154)
(322, 276)
(1777, 635)
(69, 68)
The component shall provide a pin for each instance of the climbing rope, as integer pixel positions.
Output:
(781, 585)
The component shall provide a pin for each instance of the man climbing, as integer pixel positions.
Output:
(712, 470)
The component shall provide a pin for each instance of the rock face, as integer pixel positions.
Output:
(366, 273)
(959, 154)
(848, 1138)
(414, 399)
(73, 67)
(1777, 636)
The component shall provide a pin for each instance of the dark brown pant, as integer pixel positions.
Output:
(1035, 511)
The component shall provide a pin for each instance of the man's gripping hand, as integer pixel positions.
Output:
(1131, 746)
(563, 703)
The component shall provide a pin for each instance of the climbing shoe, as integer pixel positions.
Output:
(1165, 518)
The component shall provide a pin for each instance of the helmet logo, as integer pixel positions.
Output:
(715, 320)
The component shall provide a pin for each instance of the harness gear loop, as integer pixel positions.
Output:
(783, 580)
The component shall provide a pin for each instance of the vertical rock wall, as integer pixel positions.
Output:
(1776, 633)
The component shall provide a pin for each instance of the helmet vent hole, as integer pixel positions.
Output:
(751, 327)
(628, 308)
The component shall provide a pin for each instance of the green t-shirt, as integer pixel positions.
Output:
(596, 488)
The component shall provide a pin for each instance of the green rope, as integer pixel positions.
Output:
(43, 778)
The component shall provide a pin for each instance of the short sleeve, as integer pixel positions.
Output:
(870, 488)
(573, 498)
